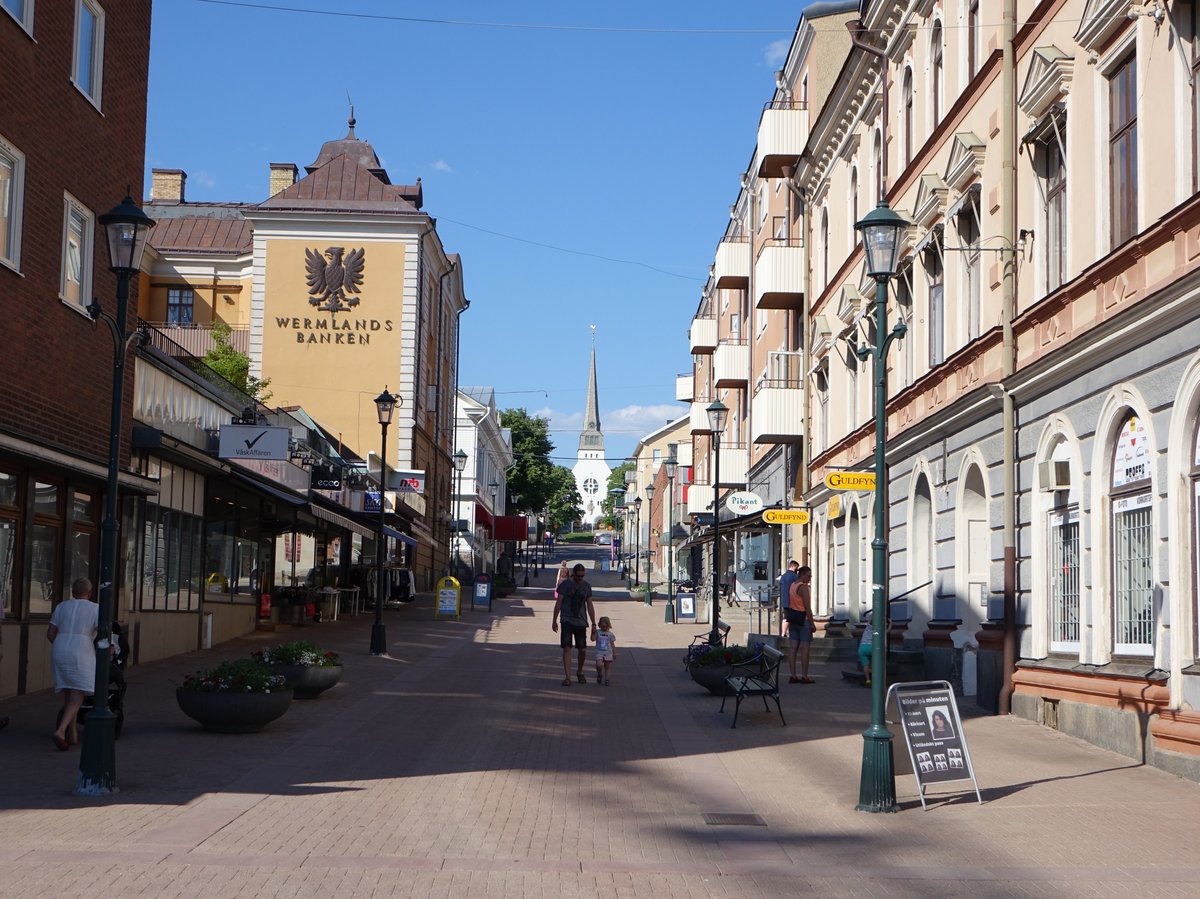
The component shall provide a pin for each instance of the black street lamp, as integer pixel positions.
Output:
(880, 229)
(128, 230)
(494, 490)
(649, 531)
(670, 465)
(460, 462)
(637, 531)
(718, 415)
(385, 408)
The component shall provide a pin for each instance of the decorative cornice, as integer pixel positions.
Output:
(1101, 20)
(931, 199)
(1048, 78)
(966, 159)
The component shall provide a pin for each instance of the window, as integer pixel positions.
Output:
(825, 247)
(877, 166)
(904, 304)
(87, 70)
(1194, 61)
(972, 38)
(821, 383)
(1053, 170)
(9, 513)
(1195, 476)
(908, 116)
(735, 326)
(1122, 149)
(179, 305)
(936, 276)
(12, 183)
(1064, 581)
(970, 232)
(853, 206)
(45, 567)
(22, 11)
(1132, 533)
(937, 71)
(78, 232)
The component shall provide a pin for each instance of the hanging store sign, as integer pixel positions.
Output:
(850, 480)
(833, 509)
(253, 442)
(326, 477)
(743, 503)
(786, 516)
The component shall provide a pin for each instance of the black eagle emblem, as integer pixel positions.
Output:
(333, 284)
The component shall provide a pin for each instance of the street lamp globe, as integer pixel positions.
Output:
(385, 407)
(649, 491)
(127, 228)
(638, 502)
(671, 465)
(460, 460)
(718, 414)
(881, 229)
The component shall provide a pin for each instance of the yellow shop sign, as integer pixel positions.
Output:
(786, 516)
(850, 480)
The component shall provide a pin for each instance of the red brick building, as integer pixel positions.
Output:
(72, 143)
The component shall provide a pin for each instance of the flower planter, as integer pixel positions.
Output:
(711, 678)
(309, 681)
(233, 713)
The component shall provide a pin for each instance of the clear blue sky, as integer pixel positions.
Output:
(620, 143)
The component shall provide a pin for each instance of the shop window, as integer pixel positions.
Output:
(8, 547)
(44, 568)
(1132, 533)
(1064, 581)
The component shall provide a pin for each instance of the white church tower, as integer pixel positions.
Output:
(591, 471)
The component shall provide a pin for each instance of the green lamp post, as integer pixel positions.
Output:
(670, 465)
(649, 531)
(718, 415)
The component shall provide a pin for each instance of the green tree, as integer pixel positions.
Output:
(531, 478)
(566, 505)
(234, 365)
(616, 481)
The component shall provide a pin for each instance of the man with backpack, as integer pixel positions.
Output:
(573, 599)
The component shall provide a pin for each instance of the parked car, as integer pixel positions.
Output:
(604, 539)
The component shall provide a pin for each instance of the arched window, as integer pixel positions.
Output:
(1132, 541)
(937, 71)
(854, 592)
(1063, 531)
(921, 549)
(877, 167)
(825, 247)
(853, 206)
(908, 116)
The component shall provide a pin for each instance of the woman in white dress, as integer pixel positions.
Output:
(72, 633)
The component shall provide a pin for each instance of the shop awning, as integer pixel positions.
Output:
(276, 492)
(398, 535)
(341, 521)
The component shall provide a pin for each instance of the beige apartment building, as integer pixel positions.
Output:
(1043, 490)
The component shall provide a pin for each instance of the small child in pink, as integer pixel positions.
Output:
(606, 649)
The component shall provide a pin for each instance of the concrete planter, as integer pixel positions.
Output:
(233, 713)
(309, 681)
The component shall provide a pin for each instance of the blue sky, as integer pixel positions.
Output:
(530, 142)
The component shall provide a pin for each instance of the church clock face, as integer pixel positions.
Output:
(591, 486)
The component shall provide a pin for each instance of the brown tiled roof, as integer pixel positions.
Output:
(344, 185)
(198, 234)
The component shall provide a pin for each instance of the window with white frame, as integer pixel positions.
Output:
(735, 326)
(1122, 149)
(877, 167)
(824, 248)
(1194, 69)
(970, 233)
(972, 38)
(1132, 541)
(904, 307)
(22, 11)
(1195, 477)
(937, 71)
(87, 68)
(78, 236)
(935, 275)
(180, 301)
(1050, 161)
(821, 383)
(12, 186)
(1064, 580)
(907, 97)
(853, 199)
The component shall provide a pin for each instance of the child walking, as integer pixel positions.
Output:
(606, 649)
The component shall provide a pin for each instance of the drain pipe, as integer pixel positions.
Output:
(801, 485)
(1008, 185)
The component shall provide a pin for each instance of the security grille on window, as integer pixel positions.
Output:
(1132, 533)
(180, 301)
(1064, 581)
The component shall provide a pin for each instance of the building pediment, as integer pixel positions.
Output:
(1101, 20)
(850, 303)
(966, 159)
(931, 199)
(1048, 78)
(822, 335)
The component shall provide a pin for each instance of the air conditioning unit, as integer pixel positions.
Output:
(1054, 475)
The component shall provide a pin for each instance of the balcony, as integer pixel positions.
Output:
(197, 339)
(702, 336)
(699, 498)
(698, 419)
(782, 133)
(731, 268)
(779, 275)
(731, 362)
(683, 387)
(735, 463)
(683, 454)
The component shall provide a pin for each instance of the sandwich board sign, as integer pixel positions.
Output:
(937, 746)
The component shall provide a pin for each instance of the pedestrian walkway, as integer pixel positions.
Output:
(458, 766)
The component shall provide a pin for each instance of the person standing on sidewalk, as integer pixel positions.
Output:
(574, 602)
(800, 628)
(785, 589)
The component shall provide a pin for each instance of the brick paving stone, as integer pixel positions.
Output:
(459, 767)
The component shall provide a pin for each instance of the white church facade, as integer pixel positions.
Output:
(591, 470)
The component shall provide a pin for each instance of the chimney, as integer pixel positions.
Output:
(283, 176)
(166, 185)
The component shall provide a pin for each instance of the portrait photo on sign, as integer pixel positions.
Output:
(925, 762)
(939, 722)
(939, 762)
(685, 606)
(955, 757)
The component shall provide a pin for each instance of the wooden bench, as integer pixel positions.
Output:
(700, 643)
(758, 677)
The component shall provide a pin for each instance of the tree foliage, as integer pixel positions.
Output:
(616, 481)
(234, 365)
(535, 483)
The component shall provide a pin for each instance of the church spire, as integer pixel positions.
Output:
(592, 439)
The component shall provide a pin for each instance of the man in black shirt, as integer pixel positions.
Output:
(573, 600)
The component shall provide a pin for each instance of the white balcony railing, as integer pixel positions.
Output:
(735, 463)
(731, 363)
(731, 268)
(683, 387)
(779, 275)
(683, 454)
(775, 414)
(699, 498)
(782, 133)
(698, 418)
(703, 335)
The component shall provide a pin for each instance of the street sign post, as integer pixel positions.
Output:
(937, 746)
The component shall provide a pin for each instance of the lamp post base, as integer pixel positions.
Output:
(669, 612)
(649, 600)
(378, 639)
(98, 755)
(877, 787)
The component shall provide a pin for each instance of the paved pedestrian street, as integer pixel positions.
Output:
(460, 767)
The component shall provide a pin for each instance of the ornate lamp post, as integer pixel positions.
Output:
(880, 229)
(649, 528)
(718, 415)
(637, 528)
(670, 465)
(127, 229)
(385, 408)
(460, 462)
(494, 490)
